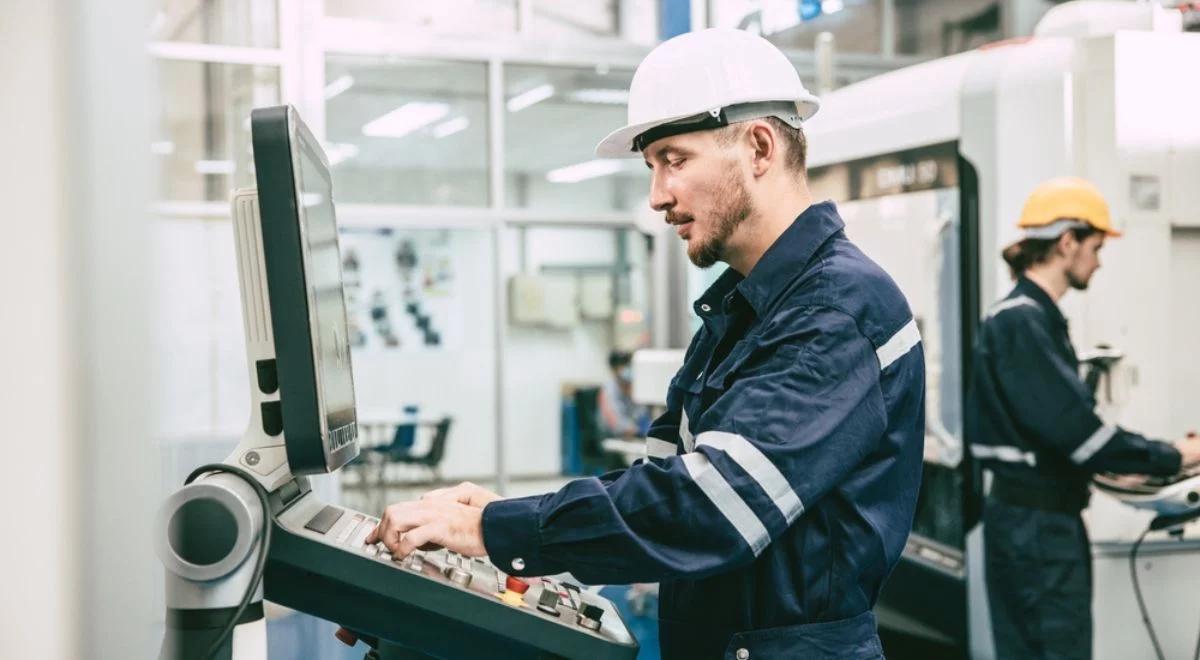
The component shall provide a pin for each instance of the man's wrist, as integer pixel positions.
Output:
(512, 536)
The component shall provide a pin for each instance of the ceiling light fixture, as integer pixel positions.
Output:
(406, 119)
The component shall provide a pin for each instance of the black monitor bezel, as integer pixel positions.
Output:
(278, 135)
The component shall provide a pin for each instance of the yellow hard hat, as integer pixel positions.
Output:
(1063, 203)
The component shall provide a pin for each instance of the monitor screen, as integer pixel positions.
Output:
(304, 281)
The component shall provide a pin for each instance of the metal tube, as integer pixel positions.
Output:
(499, 292)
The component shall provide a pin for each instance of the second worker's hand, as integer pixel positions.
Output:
(1189, 450)
(407, 526)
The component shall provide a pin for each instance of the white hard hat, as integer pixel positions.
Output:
(710, 78)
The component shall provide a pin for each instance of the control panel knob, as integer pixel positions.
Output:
(589, 617)
(459, 576)
(548, 602)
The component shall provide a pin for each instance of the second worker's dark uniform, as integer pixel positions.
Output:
(1031, 421)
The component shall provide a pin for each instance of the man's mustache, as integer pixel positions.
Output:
(678, 218)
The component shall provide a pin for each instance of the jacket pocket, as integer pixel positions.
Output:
(720, 377)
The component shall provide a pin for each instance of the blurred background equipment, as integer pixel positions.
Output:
(930, 166)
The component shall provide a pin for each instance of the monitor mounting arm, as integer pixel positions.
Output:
(208, 531)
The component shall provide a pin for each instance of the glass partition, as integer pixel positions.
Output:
(554, 117)
(407, 131)
(202, 143)
(449, 17)
(247, 23)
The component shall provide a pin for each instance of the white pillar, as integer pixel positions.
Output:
(39, 611)
(80, 475)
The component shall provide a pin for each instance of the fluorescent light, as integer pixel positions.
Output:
(607, 96)
(586, 170)
(447, 128)
(528, 98)
(406, 119)
(338, 86)
(162, 148)
(832, 6)
(215, 167)
(339, 152)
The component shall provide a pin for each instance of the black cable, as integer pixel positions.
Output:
(1196, 655)
(264, 539)
(1137, 591)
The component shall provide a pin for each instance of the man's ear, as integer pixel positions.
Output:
(765, 145)
(1067, 243)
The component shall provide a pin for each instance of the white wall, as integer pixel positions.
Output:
(457, 379)
(78, 570)
(39, 611)
(539, 362)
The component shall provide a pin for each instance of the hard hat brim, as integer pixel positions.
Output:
(619, 143)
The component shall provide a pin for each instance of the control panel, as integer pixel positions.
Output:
(1176, 495)
(437, 602)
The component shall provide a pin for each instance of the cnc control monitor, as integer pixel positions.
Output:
(304, 280)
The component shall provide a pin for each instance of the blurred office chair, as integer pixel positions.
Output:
(399, 450)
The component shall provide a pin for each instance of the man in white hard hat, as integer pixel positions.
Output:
(779, 487)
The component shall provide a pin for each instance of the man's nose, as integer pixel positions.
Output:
(660, 198)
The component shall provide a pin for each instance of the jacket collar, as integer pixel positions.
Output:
(1028, 287)
(787, 259)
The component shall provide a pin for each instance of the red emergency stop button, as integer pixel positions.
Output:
(346, 637)
(516, 584)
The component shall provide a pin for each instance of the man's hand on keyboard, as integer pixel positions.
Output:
(406, 526)
(464, 493)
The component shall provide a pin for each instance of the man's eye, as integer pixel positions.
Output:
(677, 163)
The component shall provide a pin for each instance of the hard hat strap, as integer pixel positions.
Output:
(785, 111)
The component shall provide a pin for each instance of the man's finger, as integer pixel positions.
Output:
(400, 519)
(385, 529)
(415, 538)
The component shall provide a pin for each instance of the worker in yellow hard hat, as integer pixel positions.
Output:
(1031, 421)
(1067, 208)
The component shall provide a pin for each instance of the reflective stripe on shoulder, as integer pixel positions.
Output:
(656, 448)
(736, 511)
(759, 467)
(901, 343)
(1005, 305)
(1095, 441)
(685, 434)
(1006, 454)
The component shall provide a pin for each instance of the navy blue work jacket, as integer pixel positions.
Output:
(779, 487)
(1031, 419)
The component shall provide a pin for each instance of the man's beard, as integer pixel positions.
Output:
(734, 207)
(1079, 284)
